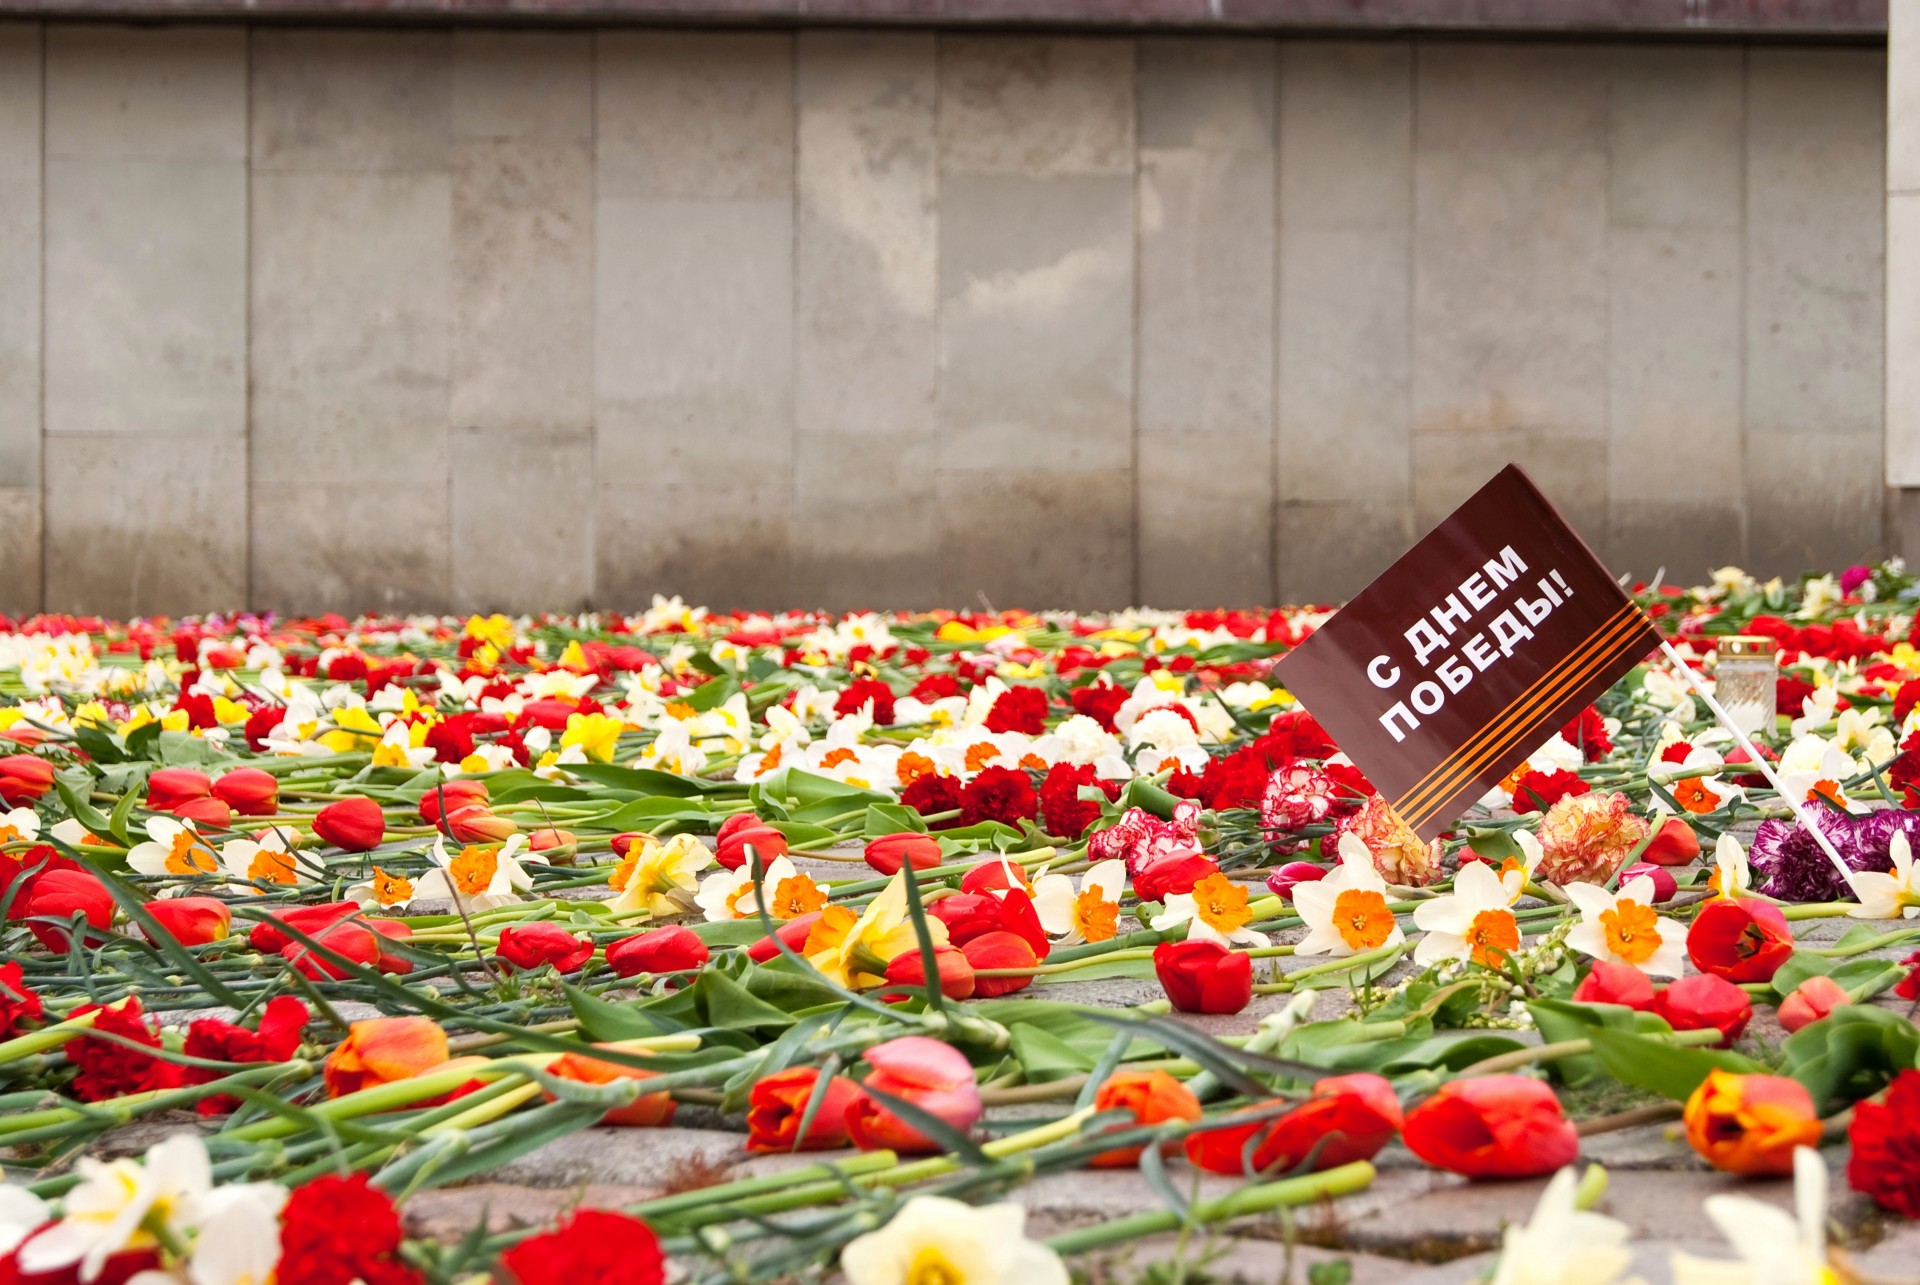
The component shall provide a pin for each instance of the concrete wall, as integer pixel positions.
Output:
(432, 319)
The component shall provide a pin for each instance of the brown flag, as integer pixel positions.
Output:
(1468, 653)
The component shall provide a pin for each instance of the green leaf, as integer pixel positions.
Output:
(1851, 1054)
(1849, 973)
(1559, 1020)
(725, 1003)
(1043, 1056)
(604, 1020)
(891, 818)
(85, 813)
(1671, 1070)
(711, 694)
(180, 748)
(101, 746)
(641, 780)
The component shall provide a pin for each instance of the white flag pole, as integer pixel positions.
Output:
(1760, 764)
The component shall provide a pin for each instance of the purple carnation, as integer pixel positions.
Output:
(1794, 867)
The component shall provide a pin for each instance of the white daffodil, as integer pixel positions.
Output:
(1696, 794)
(1623, 928)
(20, 1213)
(783, 890)
(1564, 1245)
(481, 877)
(382, 889)
(173, 847)
(1775, 1247)
(269, 859)
(1216, 910)
(1087, 914)
(934, 1239)
(19, 825)
(1811, 770)
(237, 1240)
(1475, 921)
(115, 1202)
(1346, 912)
(1890, 895)
(1731, 876)
(659, 878)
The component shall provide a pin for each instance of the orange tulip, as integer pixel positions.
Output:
(1154, 1097)
(649, 1110)
(1750, 1124)
(382, 1050)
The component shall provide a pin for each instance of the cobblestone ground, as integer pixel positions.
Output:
(1415, 1225)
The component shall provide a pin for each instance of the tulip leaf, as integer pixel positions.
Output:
(1851, 1054)
(1671, 1070)
(607, 1021)
(891, 818)
(100, 745)
(1043, 1056)
(1559, 1020)
(1849, 973)
(1451, 1050)
(1138, 969)
(644, 780)
(85, 813)
(176, 748)
(725, 1003)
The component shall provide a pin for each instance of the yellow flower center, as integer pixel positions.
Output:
(474, 868)
(1094, 917)
(1632, 931)
(1221, 904)
(1492, 935)
(269, 866)
(931, 1267)
(1362, 919)
(187, 858)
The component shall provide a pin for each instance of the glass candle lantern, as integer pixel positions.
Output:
(1743, 679)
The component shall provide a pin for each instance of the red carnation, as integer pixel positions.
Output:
(275, 1039)
(18, 1002)
(592, 1245)
(1019, 709)
(856, 695)
(1099, 702)
(1063, 812)
(1588, 732)
(930, 794)
(335, 1231)
(1885, 1163)
(110, 1070)
(1002, 794)
(1538, 791)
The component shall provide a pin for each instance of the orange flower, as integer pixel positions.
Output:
(912, 767)
(1586, 837)
(1221, 904)
(1493, 935)
(1362, 919)
(1750, 1124)
(1154, 1097)
(1632, 931)
(382, 1050)
(647, 1111)
(1696, 796)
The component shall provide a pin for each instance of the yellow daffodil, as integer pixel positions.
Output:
(856, 951)
(595, 734)
(660, 878)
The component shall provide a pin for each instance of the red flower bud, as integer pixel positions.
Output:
(24, 778)
(1204, 976)
(620, 843)
(997, 949)
(967, 915)
(267, 938)
(62, 894)
(170, 787)
(361, 941)
(528, 946)
(1673, 844)
(355, 824)
(206, 814)
(1157, 880)
(926, 1073)
(549, 839)
(1812, 1000)
(249, 792)
(794, 933)
(955, 969)
(766, 841)
(193, 921)
(1492, 1126)
(1283, 881)
(1611, 982)
(476, 824)
(452, 795)
(664, 950)
(1664, 884)
(1348, 1118)
(739, 821)
(777, 1103)
(1740, 939)
(1705, 1001)
(891, 851)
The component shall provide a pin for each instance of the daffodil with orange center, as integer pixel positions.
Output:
(1091, 913)
(382, 888)
(1623, 928)
(480, 876)
(173, 847)
(22, 825)
(733, 894)
(1474, 922)
(1216, 911)
(1346, 912)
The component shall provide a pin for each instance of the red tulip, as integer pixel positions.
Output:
(996, 950)
(1492, 1126)
(249, 792)
(193, 921)
(891, 851)
(955, 969)
(267, 938)
(1751, 1124)
(24, 778)
(1348, 1118)
(737, 822)
(1154, 1097)
(528, 946)
(995, 876)
(1740, 939)
(1204, 976)
(1702, 1001)
(1812, 1000)
(1157, 880)
(793, 933)
(1283, 881)
(1615, 983)
(967, 915)
(355, 824)
(451, 796)
(777, 1103)
(920, 1071)
(62, 894)
(766, 841)
(664, 950)
(549, 839)
(620, 843)
(476, 823)
(361, 941)
(1673, 844)
(168, 788)
(206, 814)
(1664, 884)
